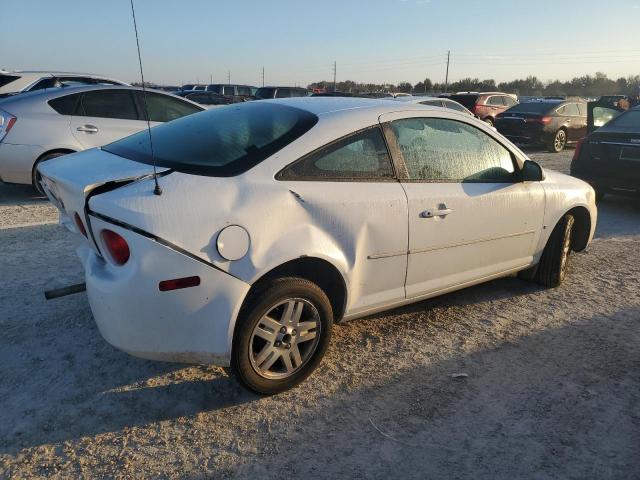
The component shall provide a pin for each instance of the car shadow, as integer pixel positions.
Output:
(19, 194)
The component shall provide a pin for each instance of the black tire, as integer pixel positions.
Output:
(261, 302)
(36, 175)
(558, 142)
(553, 266)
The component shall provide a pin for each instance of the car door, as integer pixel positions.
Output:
(577, 126)
(104, 116)
(349, 190)
(470, 216)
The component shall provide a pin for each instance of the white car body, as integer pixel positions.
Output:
(39, 130)
(26, 81)
(433, 102)
(384, 248)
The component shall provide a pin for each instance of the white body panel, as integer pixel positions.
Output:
(370, 232)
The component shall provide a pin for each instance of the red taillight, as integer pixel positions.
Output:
(116, 245)
(545, 119)
(178, 283)
(476, 109)
(576, 152)
(80, 225)
(10, 124)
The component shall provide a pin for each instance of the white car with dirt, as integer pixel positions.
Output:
(278, 218)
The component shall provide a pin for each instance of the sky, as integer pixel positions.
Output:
(380, 41)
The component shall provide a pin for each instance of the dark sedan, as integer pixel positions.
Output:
(206, 99)
(551, 123)
(609, 158)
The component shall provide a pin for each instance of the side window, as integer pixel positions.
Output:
(509, 101)
(163, 108)
(228, 90)
(298, 93)
(244, 91)
(495, 101)
(283, 93)
(455, 106)
(362, 156)
(108, 104)
(44, 83)
(441, 150)
(432, 103)
(572, 109)
(65, 105)
(562, 110)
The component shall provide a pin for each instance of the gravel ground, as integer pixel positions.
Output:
(552, 387)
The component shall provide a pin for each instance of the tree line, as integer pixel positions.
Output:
(585, 86)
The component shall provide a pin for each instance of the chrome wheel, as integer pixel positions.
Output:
(560, 141)
(285, 338)
(566, 248)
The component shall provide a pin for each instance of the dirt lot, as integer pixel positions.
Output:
(553, 386)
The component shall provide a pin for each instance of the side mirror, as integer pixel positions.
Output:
(532, 172)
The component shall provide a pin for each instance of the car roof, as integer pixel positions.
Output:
(331, 105)
(283, 86)
(47, 94)
(417, 99)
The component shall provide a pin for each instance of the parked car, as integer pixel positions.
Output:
(434, 102)
(332, 94)
(206, 99)
(609, 157)
(38, 126)
(264, 93)
(28, 81)
(237, 93)
(279, 218)
(552, 123)
(376, 95)
(486, 105)
(192, 86)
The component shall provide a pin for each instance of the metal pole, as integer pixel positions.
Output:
(334, 75)
(446, 80)
(229, 77)
(263, 76)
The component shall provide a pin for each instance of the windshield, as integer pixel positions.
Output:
(468, 101)
(533, 107)
(221, 142)
(265, 92)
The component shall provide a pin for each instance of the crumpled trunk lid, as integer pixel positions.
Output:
(70, 180)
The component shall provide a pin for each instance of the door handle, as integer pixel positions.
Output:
(442, 212)
(87, 129)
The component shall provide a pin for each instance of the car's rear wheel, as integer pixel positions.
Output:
(36, 175)
(559, 141)
(282, 333)
(554, 263)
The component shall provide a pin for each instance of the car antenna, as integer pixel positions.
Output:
(156, 190)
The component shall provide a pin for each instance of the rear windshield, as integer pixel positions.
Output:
(630, 119)
(220, 142)
(7, 79)
(533, 107)
(468, 101)
(265, 92)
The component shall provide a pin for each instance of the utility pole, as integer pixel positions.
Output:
(446, 79)
(335, 69)
(229, 77)
(263, 76)
(211, 78)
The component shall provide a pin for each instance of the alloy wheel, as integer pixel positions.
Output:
(560, 140)
(285, 338)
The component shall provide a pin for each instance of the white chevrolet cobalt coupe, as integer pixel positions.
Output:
(278, 218)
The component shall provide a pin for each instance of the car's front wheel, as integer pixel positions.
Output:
(282, 333)
(554, 263)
